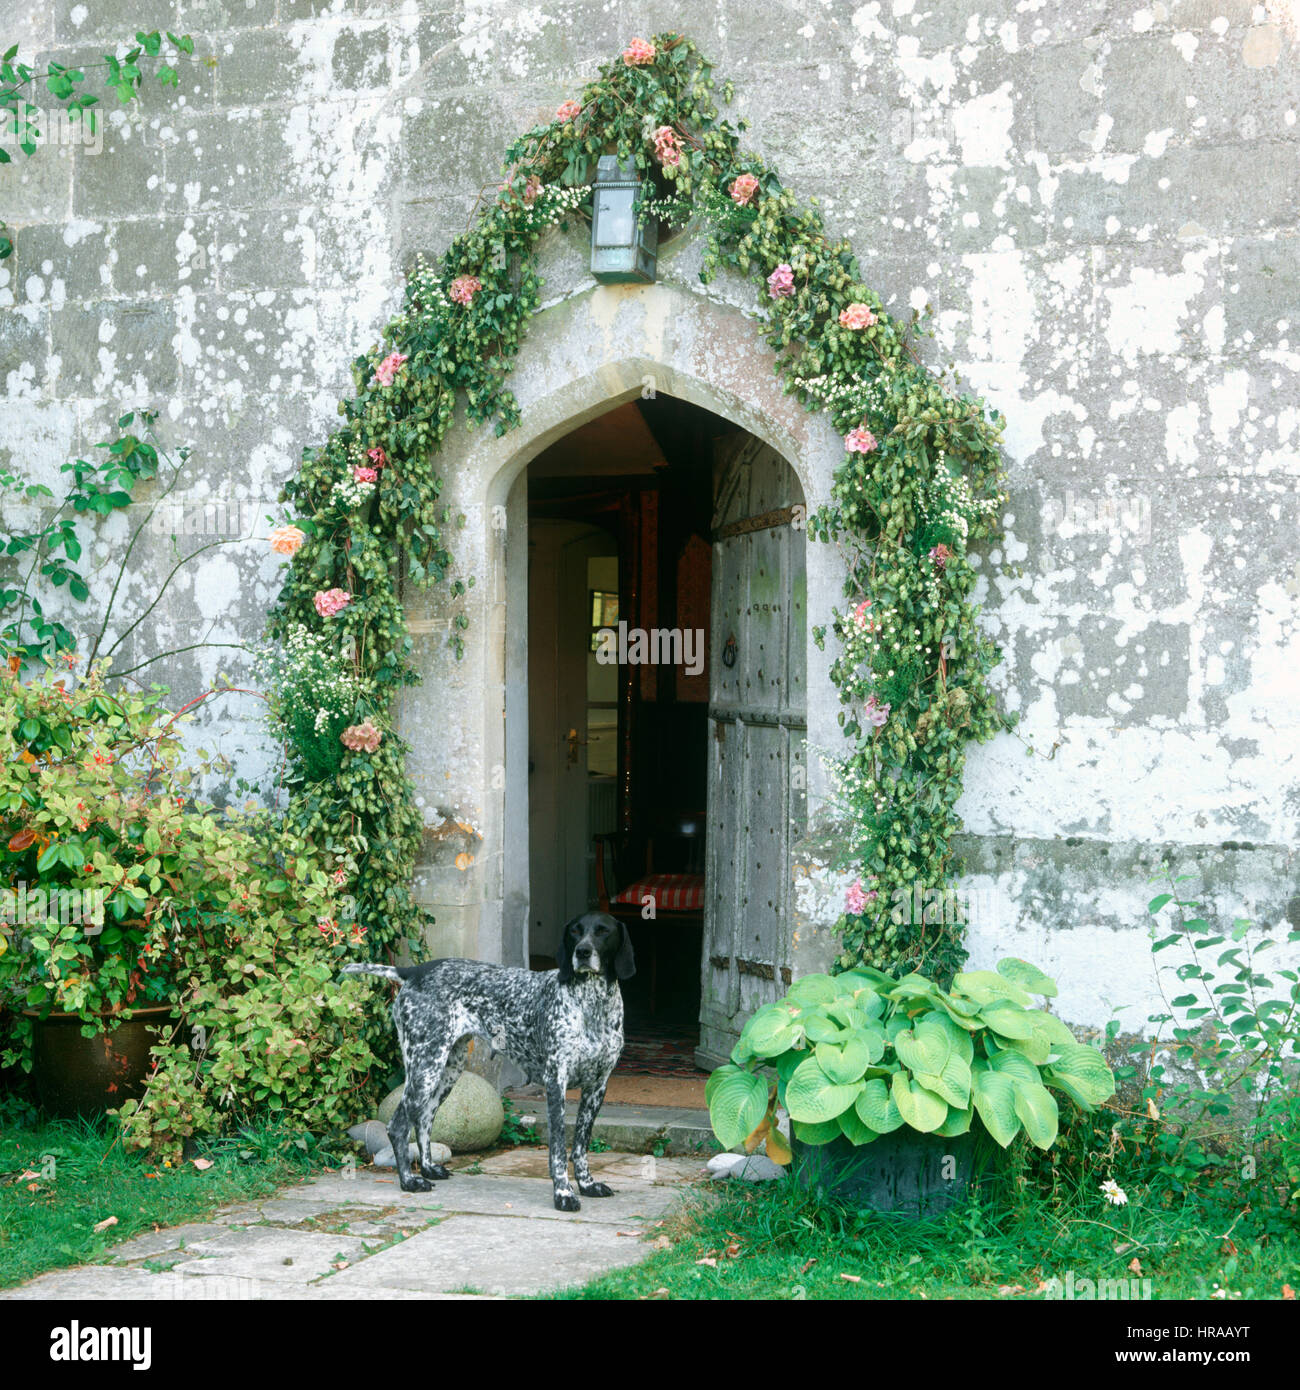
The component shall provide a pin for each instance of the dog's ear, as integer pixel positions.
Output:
(564, 956)
(624, 965)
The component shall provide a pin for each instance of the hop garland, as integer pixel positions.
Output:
(919, 483)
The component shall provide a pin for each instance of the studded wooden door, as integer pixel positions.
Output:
(757, 728)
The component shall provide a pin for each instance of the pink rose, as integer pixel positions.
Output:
(854, 898)
(876, 713)
(463, 289)
(666, 147)
(743, 187)
(377, 456)
(286, 540)
(531, 189)
(857, 316)
(389, 367)
(362, 474)
(860, 440)
(638, 53)
(331, 601)
(568, 110)
(361, 738)
(780, 284)
(860, 614)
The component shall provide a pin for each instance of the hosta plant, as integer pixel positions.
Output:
(862, 1054)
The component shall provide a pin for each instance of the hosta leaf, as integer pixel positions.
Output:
(1027, 976)
(923, 1049)
(819, 1028)
(920, 1108)
(823, 1133)
(777, 1149)
(958, 1037)
(958, 1122)
(1081, 1072)
(1016, 1066)
(994, 1096)
(812, 989)
(953, 1083)
(1037, 1109)
(737, 1102)
(1008, 1021)
(811, 1096)
(875, 1107)
(769, 1032)
(854, 1130)
(844, 1063)
(983, 986)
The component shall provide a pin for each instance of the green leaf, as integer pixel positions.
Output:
(923, 1049)
(1027, 976)
(958, 1122)
(994, 1096)
(1081, 1072)
(823, 1133)
(845, 1063)
(983, 986)
(770, 1031)
(811, 1096)
(737, 1102)
(876, 1108)
(854, 1130)
(920, 1108)
(1007, 1020)
(1037, 1110)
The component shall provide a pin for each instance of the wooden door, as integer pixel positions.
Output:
(757, 728)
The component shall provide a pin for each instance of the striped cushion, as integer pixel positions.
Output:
(671, 892)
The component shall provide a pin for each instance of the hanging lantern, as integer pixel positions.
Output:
(622, 252)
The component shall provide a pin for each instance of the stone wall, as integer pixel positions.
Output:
(1099, 200)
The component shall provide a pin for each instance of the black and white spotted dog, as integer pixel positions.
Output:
(563, 1027)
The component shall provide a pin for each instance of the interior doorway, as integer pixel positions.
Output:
(666, 655)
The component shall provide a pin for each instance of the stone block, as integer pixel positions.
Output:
(1262, 289)
(110, 348)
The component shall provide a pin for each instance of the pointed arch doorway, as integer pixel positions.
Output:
(667, 711)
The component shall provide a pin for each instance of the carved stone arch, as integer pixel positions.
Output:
(582, 357)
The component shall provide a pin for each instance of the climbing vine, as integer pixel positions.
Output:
(919, 483)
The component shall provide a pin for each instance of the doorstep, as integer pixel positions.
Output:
(638, 1129)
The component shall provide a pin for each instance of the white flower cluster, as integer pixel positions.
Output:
(308, 672)
(946, 499)
(849, 400)
(350, 494)
(553, 203)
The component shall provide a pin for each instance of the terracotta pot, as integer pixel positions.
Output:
(78, 1076)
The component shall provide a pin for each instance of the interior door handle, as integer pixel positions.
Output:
(574, 744)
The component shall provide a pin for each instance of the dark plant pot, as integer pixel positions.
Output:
(906, 1172)
(78, 1076)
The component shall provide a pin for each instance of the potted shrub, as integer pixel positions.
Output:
(887, 1081)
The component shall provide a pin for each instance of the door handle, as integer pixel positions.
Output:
(574, 743)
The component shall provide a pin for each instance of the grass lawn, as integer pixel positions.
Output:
(776, 1240)
(59, 1179)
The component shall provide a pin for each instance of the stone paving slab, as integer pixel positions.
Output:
(269, 1252)
(499, 1255)
(492, 1228)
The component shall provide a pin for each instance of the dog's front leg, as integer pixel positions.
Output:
(588, 1109)
(565, 1198)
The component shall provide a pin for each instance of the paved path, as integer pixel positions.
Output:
(491, 1230)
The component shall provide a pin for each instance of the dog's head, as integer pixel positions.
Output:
(595, 944)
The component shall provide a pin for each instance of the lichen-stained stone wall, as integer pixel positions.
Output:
(1099, 200)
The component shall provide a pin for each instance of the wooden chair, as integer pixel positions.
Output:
(623, 887)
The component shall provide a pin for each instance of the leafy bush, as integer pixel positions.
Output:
(232, 920)
(862, 1054)
(1220, 1077)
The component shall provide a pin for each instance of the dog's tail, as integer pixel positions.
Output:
(388, 972)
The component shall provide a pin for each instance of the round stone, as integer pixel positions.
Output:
(471, 1118)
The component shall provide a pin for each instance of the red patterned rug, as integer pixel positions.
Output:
(650, 1049)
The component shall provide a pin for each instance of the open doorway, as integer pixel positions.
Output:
(666, 714)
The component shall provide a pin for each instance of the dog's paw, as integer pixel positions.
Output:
(414, 1184)
(566, 1201)
(595, 1189)
(437, 1171)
